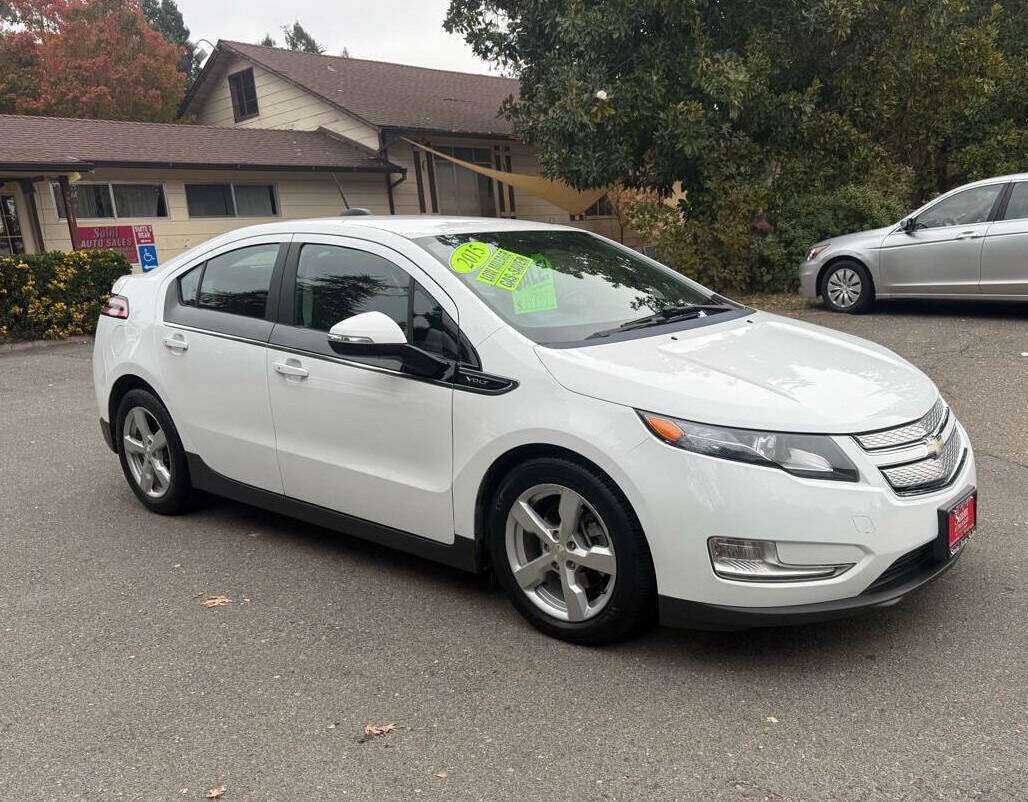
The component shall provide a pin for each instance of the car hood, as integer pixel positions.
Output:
(758, 372)
(872, 238)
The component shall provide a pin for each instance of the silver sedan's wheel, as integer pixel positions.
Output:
(844, 287)
(560, 552)
(147, 453)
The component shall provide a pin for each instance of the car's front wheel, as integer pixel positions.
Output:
(847, 287)
(570, 553)
(152, 456)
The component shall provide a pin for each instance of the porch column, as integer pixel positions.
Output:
(69, 211)
(28, 192)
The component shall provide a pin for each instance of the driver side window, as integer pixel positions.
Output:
(963, 209)
(334, 283)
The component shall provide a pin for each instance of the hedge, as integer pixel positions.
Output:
(55, 294)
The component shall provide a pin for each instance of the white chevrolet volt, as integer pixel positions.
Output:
(614, 441)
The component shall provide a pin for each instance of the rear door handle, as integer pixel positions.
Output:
(968, 235)
(176, 343)
(290, 370)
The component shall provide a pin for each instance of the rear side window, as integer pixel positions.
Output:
(334, 283)
(189, 284)
(1017, 206)
(236, 282)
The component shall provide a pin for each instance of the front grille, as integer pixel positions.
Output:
(913, 457)
(908, 567)
(930, 473)
(933, 421)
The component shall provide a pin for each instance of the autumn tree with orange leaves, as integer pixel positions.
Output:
(86, 58)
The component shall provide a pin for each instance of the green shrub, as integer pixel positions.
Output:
(55, 294)
(733, 251)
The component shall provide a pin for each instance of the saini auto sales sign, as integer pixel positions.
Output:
(123, 239)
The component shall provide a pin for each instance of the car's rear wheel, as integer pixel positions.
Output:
(847, 287)
(151, 453)
(570, 553)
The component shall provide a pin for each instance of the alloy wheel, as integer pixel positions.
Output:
(844, 287)
(560, 552)
(147, 452)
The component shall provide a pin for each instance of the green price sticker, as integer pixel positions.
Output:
(495, 266)
(538, 293)
(469, 257)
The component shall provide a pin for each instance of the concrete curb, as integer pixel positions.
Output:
(28, 345)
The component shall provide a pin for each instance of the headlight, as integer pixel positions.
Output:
(812, 456)
(817, 250)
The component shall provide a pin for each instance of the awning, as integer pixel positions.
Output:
(556, 192)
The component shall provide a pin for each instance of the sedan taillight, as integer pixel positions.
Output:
(116, 306)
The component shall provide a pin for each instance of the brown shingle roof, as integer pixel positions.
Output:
(393, 95)
(63, 142)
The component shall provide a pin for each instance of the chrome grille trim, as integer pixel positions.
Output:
(933, 422)
(930, 473)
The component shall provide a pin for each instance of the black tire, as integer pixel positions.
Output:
(631, 605)
(843, 271)
(179, 496)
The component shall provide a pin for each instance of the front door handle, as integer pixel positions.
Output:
(968, 235)
(290, 369)
(176, 343)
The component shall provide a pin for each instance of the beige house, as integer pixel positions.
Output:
(277, 134)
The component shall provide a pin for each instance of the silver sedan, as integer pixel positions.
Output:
(970, 243)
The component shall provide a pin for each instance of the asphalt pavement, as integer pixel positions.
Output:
(117, 683)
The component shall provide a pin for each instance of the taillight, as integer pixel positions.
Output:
(116, 306)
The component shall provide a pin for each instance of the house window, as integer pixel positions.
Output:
(108, 201)
(11, 241)
(244, 94)
(460, 191)
(601, 208)
(231, 200)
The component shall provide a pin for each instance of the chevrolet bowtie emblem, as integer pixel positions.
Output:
(934, 446)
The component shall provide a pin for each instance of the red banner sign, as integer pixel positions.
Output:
(123, 239)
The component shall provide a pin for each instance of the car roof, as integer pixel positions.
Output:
(407, 226)
(999, 179)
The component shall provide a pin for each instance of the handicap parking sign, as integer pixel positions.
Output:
(147, 257)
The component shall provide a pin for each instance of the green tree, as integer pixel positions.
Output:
(165, 18)
(298, 39)
(784, 120)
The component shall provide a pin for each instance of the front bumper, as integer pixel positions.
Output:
(697, 615)
(690, 498)
(808, 278)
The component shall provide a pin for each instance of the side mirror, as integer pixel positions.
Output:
(372, 334)
(367, 328)
(908, 226)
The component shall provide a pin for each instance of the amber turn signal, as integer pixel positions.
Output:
(664, 429)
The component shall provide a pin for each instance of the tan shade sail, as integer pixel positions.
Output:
(556, 192)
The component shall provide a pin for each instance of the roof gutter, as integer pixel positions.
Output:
(43, 167)
(280, 168)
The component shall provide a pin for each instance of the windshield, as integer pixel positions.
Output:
(560, 287)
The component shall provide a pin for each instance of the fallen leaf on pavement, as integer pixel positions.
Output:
(772, 720)
(375, 731)
(215, 793)
(215, 601)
